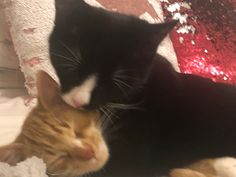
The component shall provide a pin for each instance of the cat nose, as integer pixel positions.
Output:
(87, 153)
(77, 103)
(81, 100)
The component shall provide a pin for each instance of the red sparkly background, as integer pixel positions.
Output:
(209, 48)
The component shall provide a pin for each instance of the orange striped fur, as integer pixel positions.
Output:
(69, 141)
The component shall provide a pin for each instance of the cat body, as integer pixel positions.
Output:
(219, 167)
(69, 141)
(108, 61)
(180, 122)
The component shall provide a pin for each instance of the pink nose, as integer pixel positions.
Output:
(77, 103)
(87, 153)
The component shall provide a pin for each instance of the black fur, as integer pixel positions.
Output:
(183, 118)
(105, 43)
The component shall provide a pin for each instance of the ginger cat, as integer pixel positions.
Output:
(70, 141)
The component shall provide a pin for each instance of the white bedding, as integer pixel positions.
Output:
(12, 114)
(32, 167)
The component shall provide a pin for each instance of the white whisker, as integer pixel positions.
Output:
(74, 61)
(125, 106)
(69, 50)
(67, 65)
(104, 123)
(123, 83)
(111, 111)
(106, 114)
(120, 87)
(55, 174)
(127, 78)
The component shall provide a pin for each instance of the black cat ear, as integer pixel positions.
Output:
(62, 5)
(65, 8)
(160, 31)
(49, 94)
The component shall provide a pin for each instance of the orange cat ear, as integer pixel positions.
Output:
(48, 91)
(12, 153)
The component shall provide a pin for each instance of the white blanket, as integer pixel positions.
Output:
(33, 167)
(12, 115)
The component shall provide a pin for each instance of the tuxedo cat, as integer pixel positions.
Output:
(163, 119)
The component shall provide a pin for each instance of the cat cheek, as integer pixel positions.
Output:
(103, 151)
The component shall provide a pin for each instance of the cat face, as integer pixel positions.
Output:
(69, 141)
(101, 56)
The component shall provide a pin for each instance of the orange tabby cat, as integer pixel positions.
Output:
(69, 141)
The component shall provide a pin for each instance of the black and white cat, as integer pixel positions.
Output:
(108, 60)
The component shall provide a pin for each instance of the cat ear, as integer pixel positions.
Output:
(49, 93)
(64, 3)
(65, 6)
(159, 31)
(61, 4)
(64, 10)
(61, 7)
(12, 153)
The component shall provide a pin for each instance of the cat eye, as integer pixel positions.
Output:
(79, 134)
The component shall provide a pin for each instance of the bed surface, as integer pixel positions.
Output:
(12, 114)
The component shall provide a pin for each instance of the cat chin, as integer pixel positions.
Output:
(80, 96)
(95, 164)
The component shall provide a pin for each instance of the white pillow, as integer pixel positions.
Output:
(10, 75)
(30, 23)
(8, 58)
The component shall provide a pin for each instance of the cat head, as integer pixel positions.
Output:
(101, 56)
(69, 141)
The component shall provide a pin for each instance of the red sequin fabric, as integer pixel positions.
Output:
(205, 39)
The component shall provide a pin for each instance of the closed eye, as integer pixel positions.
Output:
(79, 134)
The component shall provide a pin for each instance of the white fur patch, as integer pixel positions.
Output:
(80, 95)
(79, 143)
(225, 167)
